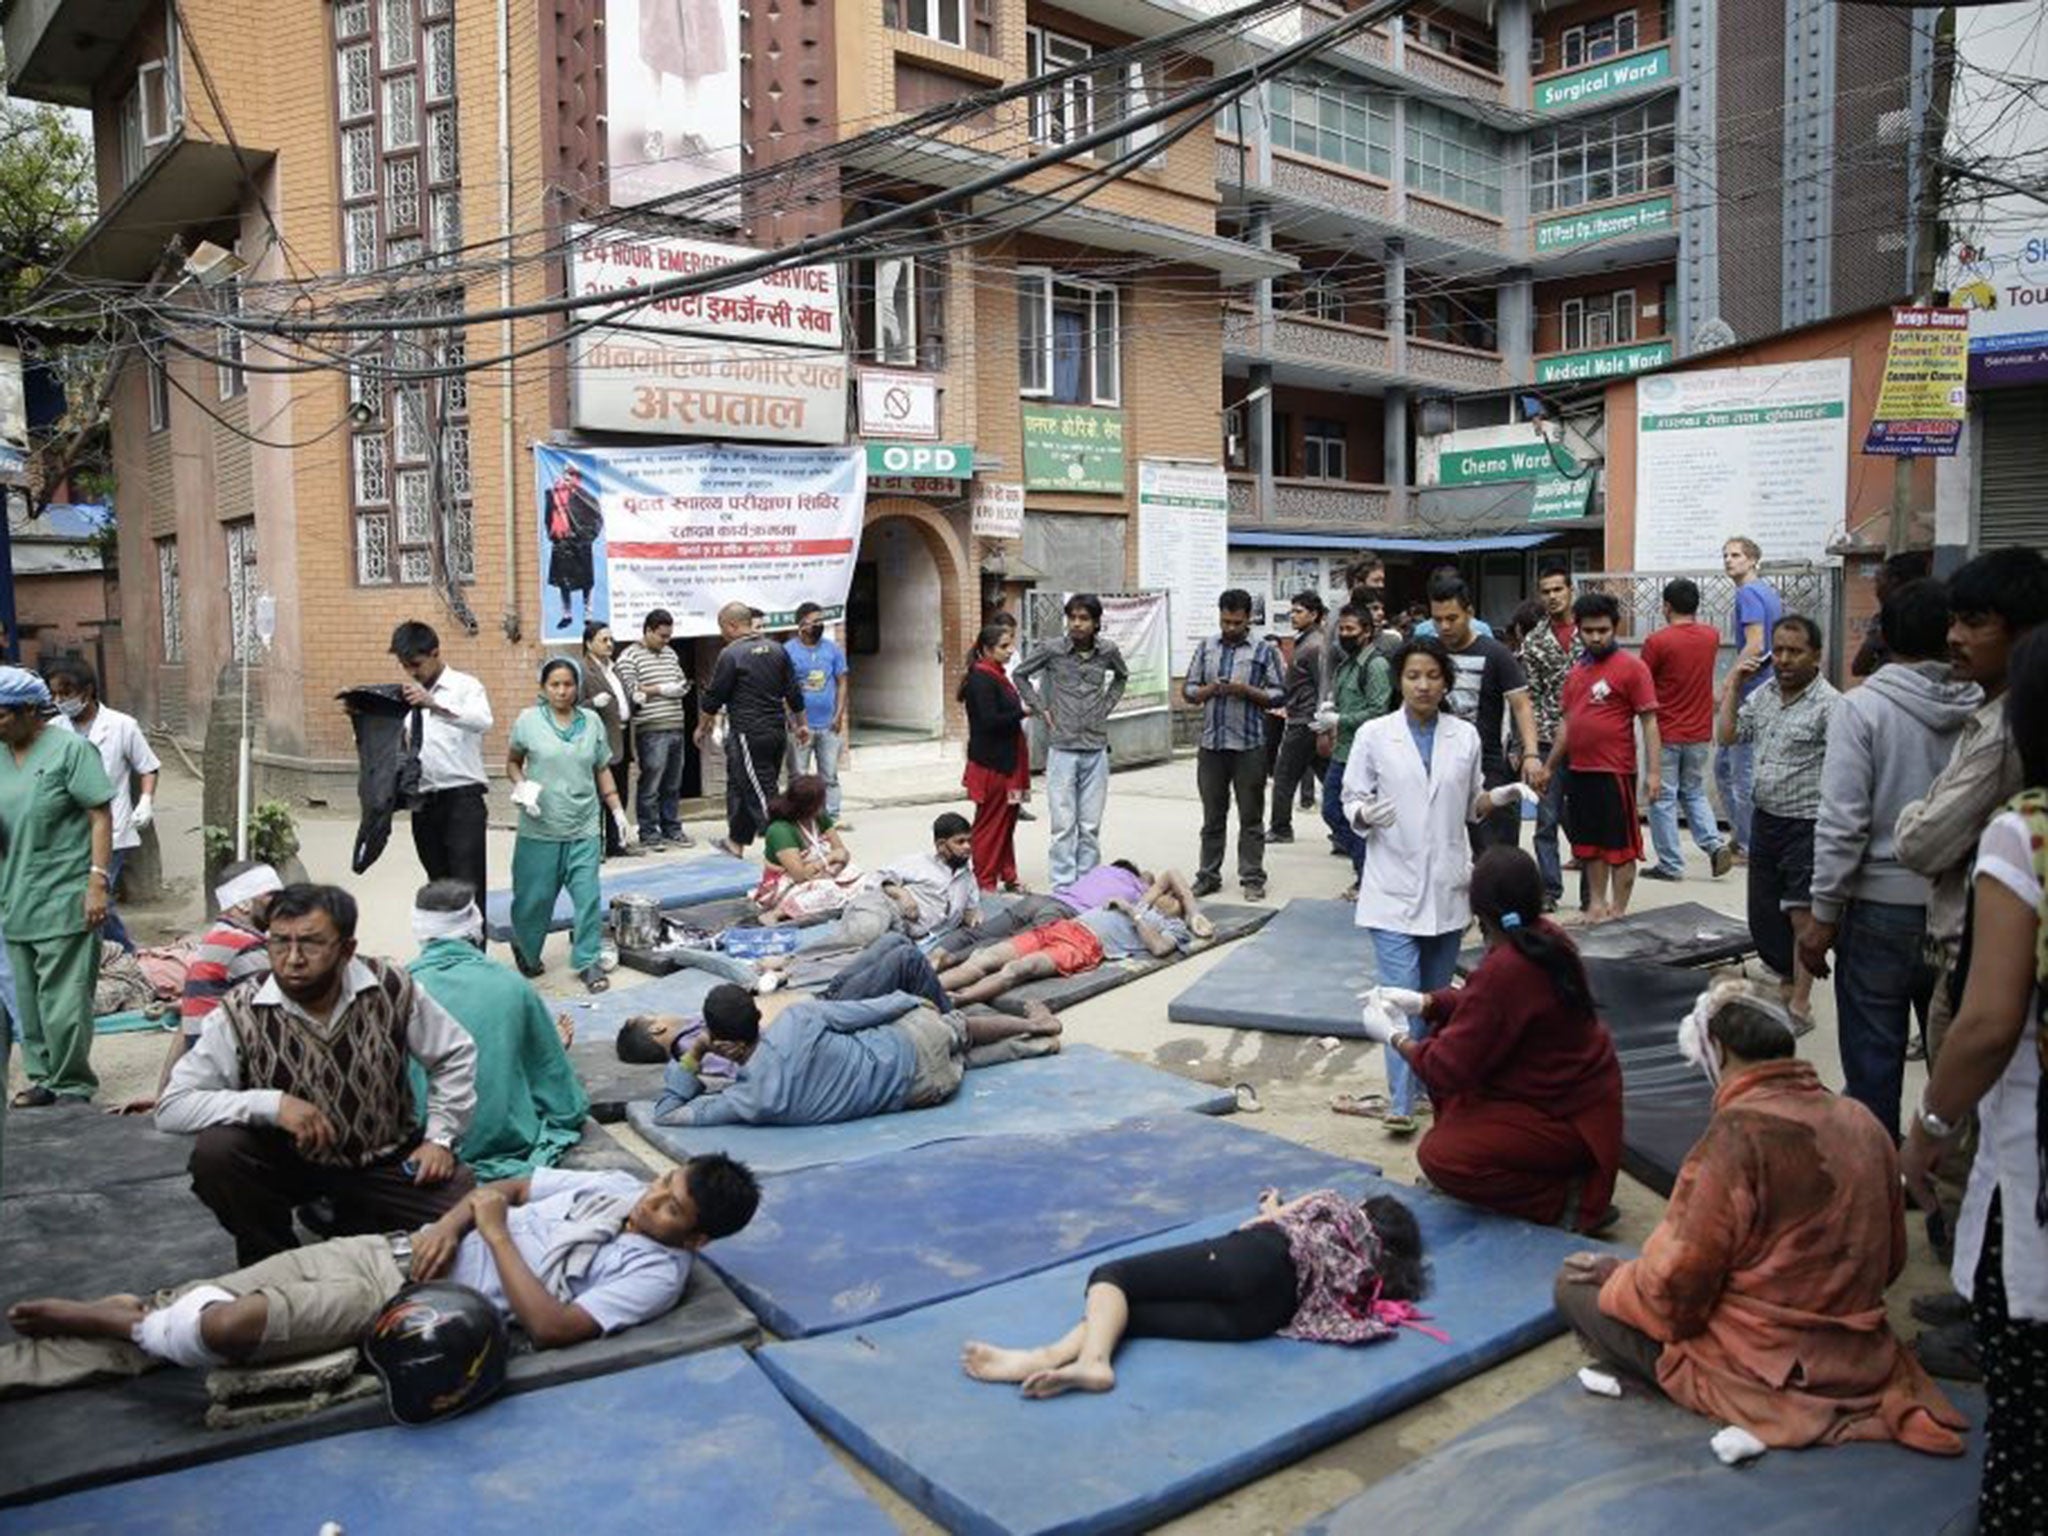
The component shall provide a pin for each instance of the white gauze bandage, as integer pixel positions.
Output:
(172, 1333)
(468, 923)
(247, 886)
(1696, 1044)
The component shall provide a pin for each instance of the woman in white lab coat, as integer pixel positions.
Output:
(1411, 786)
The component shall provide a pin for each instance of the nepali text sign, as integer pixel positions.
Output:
(899, 404)
(796, 306)
(1639, 71)
(1760, 452)
(1925, 393)
(997, 509)
(688, 386)
(1136, 623)
(1562, 484)
(1184, 545)
(923, 461)
(1651, 216)
(1073, 448)
(1607, 363)
(692, 527)
(2003, 281)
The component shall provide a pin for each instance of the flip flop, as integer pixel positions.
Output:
(1400, 1125)
(1366, 1106)
(35, 1096)
(1248, 1102)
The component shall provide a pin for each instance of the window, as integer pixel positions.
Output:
(401, 165)
(228, 345)
(1322, 450)
(1334, 121)
(1068, 336)
(1457, 317)
(243, 585)
(157, 374)
(1536, 54)
(944, 21)
(170, 598)
(151, 115)
(1065, 109)
(1598, 40)
(1453, 158)
(1598, 320)
(409, 464)
(896, 312)
(1624, 154)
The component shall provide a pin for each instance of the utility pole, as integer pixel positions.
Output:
(1929, 147)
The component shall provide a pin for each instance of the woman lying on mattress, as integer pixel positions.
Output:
(1321, 1268)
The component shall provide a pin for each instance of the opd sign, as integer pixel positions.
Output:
(938, 461)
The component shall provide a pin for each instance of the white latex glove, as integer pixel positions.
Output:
(1326, 718)
(1375, 814)
(1508, 794)
(1400, 999)
(1382, 1024)
(601, 700)
(144, 812)
(526, 795)
(673, 690)
(619, 825)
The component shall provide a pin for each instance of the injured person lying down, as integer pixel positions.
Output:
(1163, 922)
(565, 1256)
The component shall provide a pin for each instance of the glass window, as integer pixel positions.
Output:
(943, 20)
(158, 375)
(1333, 121)
(896, 311)
(1623, 154)
(228, 341)
(244, 583)
(1069, 339)
(1453, 158)
(1064, 110)
(1322, 451)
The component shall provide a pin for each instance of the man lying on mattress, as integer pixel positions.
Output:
(1163, 922)
(566, 1256)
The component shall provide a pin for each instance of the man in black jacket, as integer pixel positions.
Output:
(754, 685)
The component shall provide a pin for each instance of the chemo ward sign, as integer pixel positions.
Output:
(691, 527)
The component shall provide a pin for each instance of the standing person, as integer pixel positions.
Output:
(1606, 695)
(1681, 658)
(1084, 677)
(1360, 685)
(1414, 782)
(1306, 670)
(1897, 571)
(125, 754)
(1888, 740)
(1235, 679)
(450, 714)
(1785, 723)
(604, 692)
(754, 685)
(56, 846)
(655, 689)
(827, 684)
(998, 759)
(1489, 683)
(1547, 652)
(560, 766)
(1752, 624)
(1990, 1066)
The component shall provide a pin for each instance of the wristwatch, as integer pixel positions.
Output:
(1934, 1125)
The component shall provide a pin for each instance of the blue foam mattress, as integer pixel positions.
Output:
(682, 883)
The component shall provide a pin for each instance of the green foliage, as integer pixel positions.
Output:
(273, 836)
(46, 193)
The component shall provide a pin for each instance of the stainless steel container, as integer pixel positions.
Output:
(636, 921)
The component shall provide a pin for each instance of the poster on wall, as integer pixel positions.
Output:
(690, 528)
(1924, 396)
(1184, 545)
(1137, 623)
(672, 101)
(1762, 452)
(2002, 280)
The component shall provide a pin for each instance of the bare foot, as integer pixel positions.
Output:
(1039, 1019)
(1078, 1377)
(111, 1317)
(565, 1029)
(1201, 927)
(990, 1362)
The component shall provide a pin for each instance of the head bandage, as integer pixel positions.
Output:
(247, 886)
(1696, 1044)
(467, 923)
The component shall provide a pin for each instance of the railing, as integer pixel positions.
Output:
(1310, 339)
(1317, 503)
(1454, 364)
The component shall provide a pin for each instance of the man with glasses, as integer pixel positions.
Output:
(297, 1090)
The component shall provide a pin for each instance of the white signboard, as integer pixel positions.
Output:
(1762, 452)
(692, 527)
(795, 307)
(678, 386)
(672, 100)
(1184, 545)
(899, 405)
(997, 509)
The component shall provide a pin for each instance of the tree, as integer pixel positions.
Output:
(46, 193)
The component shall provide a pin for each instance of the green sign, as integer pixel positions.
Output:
(1562, 486)
(1651, 216)
(923, 461)
(1073, 448)
(1610, 363)
(1562, 93)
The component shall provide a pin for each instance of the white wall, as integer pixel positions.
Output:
(904, 685)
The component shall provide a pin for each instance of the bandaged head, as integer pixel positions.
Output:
(1698, 1044)
(468, 924)
(240, 889)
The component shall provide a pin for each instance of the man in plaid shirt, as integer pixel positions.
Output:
(1785, 723)
(1235, 679)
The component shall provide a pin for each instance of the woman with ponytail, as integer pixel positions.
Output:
(1523, 1074)
(998, 772)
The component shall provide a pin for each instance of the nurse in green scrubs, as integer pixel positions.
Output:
(559, 762)
(59, 837)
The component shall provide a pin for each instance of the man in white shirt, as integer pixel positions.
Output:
(923, 896)
(451, 712)
(125, 754)
(299, 1088)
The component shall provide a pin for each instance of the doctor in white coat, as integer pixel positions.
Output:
(1411, 785)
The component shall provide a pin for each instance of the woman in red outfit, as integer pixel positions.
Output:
(1523, 1073)
(998, 761)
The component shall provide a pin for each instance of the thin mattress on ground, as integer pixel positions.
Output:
(1684, 933)
(1301, 975)
(1058, 992)
(1666, 1100)
(680, 883)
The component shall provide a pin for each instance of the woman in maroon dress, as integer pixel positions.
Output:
(998, 759)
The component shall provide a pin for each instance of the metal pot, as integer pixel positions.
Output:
(636, 921)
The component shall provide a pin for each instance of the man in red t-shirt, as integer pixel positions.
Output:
(1606, 692)
(1681, 657)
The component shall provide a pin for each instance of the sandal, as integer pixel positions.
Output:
(1366, 1106)
(595, 980)
(34, 1096)
(1248, 1102)
(527, 968)
(1400, 1125)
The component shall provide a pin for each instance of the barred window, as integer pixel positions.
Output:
(244, 582)
(170, 596)
(396, 34)
(228, 346)
(440, 62)
(392, 59)
(411, 482)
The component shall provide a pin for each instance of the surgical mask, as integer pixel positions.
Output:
(1352, 644)
(812, 633)
(71, 708)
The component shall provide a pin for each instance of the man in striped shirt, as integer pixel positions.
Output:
(1235, 679)
(653, 674)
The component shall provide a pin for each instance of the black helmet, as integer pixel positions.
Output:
(440, 1348)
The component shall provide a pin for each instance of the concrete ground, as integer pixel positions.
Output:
(891, 797)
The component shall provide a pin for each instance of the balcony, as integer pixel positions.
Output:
(1459, 367)
(1324, 345)
(187, 186)
(1453, 75)
(57, 50)
(1335, 200)
(1329, 505)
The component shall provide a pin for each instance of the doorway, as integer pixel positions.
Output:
(895, 638)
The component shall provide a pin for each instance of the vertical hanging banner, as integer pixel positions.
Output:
(1924, 396)
(1184, 545)
(1137, 623)
(671, 99)
(690, 528)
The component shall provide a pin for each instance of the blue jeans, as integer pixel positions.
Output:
(660, 757)
(1549, 811)
(1878, 972)
(1076, 789)
(823, 751)
(1333, 817)
(1421, 962)
(1685, 783)
(113, 928)
(1734, 773)
(892, 963)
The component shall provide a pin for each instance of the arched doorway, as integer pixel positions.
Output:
(905, 582)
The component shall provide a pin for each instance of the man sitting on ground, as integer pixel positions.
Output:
(1759, 1299)
(566, 1256)
(1165, 921)
(824, 1062)
(298, 1088)
(924, 896)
